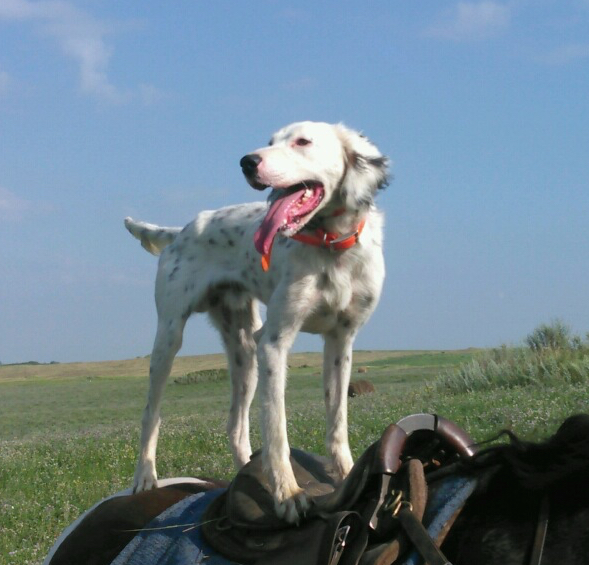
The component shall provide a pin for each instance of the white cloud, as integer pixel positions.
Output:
(566, 54)
(472, 21)
(11, 206)
(78, 35)
(150, 94)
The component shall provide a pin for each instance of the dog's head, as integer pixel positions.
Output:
(313, 167)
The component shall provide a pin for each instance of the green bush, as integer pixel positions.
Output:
(554, 336)
(553, 355)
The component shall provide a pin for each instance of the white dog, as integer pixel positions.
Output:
(324, 276)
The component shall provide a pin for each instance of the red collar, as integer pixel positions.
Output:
(321, 238)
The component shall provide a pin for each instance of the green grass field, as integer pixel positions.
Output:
(69, 433)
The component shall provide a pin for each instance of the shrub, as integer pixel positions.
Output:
(553, 355)
(552, 336)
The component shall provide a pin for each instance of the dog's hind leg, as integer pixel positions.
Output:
(237, 326)
(337, 365)
(168, 341)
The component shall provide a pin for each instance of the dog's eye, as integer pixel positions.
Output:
(301, 141)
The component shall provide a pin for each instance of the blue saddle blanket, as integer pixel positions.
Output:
(175, 537)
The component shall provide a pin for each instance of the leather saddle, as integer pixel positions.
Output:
(352, 522)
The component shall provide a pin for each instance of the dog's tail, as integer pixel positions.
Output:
(153, 238)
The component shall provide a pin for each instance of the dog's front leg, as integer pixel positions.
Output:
(337, 364)
(285, 315)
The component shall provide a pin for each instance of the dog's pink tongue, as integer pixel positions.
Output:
(273, 221)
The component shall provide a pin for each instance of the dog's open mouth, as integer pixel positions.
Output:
(288, 213)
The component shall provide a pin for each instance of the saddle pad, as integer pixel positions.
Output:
(174, 537)
(444, 502)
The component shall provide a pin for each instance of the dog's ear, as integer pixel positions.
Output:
(367, 169)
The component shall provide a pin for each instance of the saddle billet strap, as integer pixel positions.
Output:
(540, 534)
(417, 533)
(386, 539)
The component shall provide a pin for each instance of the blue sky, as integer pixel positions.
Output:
(109, 109)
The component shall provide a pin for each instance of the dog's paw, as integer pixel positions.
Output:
(293, 508)
(290, 501)
(145, 478)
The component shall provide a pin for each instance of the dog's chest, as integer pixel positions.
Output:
(341, 302)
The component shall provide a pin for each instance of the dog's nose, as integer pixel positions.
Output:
(249, 164)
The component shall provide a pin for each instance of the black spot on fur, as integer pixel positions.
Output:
(337, 362)
(367, 299)
(231, 243)
(364, 202)
(212, 241)
(238, 360)
(274, 338)
(173, 273)
(231, 286)
(323, 281)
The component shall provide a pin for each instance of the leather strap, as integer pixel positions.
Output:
(417, 533)
(331, 240)
(541, 529)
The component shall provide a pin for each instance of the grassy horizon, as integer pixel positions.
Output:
(68, 440)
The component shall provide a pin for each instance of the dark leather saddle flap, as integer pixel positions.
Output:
(249, 500)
